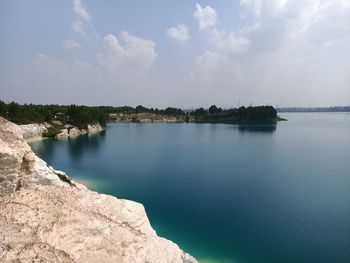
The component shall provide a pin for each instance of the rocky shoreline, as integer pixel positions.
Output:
(35, 132)
(73, 131)
(146, 117)
(47, 217)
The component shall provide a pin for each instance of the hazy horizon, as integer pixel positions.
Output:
(185, 108)
(184, 54)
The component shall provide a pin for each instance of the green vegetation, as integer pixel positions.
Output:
(81, 116)
(53, 131)
(141, 109)
(250, 114)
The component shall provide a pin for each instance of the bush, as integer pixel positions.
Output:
(53, 131)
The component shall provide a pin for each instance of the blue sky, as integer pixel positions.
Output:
(176, 53)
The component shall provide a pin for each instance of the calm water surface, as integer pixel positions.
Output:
(227, 193)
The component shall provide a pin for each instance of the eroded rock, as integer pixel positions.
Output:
(34, 132)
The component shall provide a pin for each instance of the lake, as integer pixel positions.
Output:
(227, 193)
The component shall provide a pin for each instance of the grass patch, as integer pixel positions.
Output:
(53, 131)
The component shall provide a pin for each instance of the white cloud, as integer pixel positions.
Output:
(218, 66)
(281, 49)
(82, 18)
(80, 11)
(229, 41)
(214, 68)
(320, 21)
(127, 52)
(277, 51)
(223, 41)
(260, 7)
(209, 61)
(179, 33)
(315, 21)
(252, 5)
(70, 43)
(78, 27)
(206, 17)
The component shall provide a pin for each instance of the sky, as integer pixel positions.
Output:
(176, 53)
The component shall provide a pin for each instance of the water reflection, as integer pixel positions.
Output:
(257, 128)
(270, 210)
(85, 143)
(44, 148)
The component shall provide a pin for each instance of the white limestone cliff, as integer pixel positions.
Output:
(33, 132)
(47, 217)
(72, 131)
(19, 166)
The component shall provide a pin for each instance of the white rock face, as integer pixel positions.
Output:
(63, 134)
(33, 132)
(93, 128)
(46, 217)
(74, 131)
(82, 226)
(19, 166)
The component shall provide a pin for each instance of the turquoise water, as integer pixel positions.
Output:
(228, 193)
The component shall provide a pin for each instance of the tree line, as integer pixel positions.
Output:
(73, 114)
(236, 115)
(33, 113)
(83, 115)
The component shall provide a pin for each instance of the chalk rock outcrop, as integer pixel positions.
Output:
(33, 132)
(63, 134)
(46, 217)
(19, 166)
(72, 131)
(93, 128)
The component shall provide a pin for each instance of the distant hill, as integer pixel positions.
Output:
(315, 109)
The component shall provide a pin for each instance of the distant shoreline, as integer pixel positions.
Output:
(63, 120)
(314, 109)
